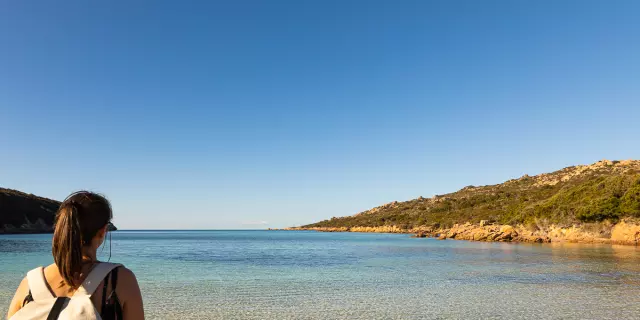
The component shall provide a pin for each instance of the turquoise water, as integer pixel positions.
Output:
(309, 275)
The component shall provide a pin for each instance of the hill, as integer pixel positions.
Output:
(26, 213)
(605, 192)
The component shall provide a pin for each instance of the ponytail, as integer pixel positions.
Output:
(78, 220)
(67, 243)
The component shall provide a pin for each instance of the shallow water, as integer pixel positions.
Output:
(309, 275)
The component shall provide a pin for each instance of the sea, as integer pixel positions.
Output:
(312, 275)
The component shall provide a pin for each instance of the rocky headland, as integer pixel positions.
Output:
(27, 213)
(597, 203)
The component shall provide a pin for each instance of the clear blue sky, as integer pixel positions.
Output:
(247, 114)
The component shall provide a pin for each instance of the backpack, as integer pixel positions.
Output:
(78, 307)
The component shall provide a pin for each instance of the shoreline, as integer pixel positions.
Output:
(622, 233)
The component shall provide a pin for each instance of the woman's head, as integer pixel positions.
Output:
(81, 224)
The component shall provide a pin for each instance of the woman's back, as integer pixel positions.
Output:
(81, 227)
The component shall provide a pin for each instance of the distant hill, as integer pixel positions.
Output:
(26, 213)
(604, 191)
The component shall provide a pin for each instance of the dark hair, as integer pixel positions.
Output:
(80, 217)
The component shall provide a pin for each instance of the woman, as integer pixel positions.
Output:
(80, 228)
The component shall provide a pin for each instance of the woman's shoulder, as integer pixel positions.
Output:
(21, 293)
(125, 274)
(127, 282)
(23, 287)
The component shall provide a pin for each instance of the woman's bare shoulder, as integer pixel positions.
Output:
(23, 287)
(127, 283)
(126, 274)
(21, 292)
(129, 294)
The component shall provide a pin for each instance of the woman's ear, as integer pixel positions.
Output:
(101, 234)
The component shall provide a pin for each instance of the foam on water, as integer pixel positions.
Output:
(308, 275)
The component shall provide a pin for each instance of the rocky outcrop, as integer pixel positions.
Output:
(569, 173)
(625, 232)
(26, 213)
(484, 232)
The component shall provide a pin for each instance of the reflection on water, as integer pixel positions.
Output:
(307, 275)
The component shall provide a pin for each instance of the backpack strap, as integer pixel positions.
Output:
(104, 289)
(57, 308)
(94, 278)
(117, 304)
(38, 285)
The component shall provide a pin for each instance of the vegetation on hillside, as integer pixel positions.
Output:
(606, 190)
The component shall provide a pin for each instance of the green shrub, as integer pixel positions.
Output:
(600, 210)
(630, 202)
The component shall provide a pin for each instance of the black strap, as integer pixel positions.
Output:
(114, 275)
(57, 308)
(118, 310)
(111, 307)
(104, 290)
(27, 299)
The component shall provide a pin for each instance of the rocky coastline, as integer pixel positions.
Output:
(22, 213)
(622, 233)
(594, 203)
